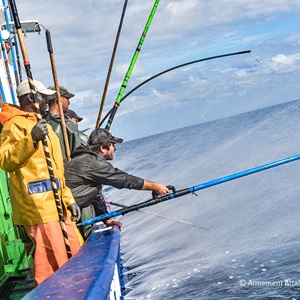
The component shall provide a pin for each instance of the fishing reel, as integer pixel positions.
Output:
(170, 187)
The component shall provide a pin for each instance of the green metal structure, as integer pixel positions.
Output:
(15, 250)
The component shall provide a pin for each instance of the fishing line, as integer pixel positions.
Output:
(255, 59)
(158, 215)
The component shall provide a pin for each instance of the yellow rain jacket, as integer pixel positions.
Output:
(31, 192)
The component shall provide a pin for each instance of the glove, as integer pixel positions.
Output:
(39, 131)
(75, 212)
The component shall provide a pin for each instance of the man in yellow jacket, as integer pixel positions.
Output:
(32, 197)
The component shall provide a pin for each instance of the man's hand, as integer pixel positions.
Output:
(114, 222)
(75, 212)
(159, 188)
(39, 131)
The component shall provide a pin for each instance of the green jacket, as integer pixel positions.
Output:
(74, 135)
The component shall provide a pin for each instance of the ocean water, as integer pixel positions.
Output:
(236, 240)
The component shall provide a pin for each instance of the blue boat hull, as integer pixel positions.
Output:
(89, 273)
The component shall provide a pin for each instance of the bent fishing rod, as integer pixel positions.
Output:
(171, 69)
(190, 190)
(39, 117)
(132, 63)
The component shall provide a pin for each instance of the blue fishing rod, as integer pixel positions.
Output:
(4, 53)
(2, 92)
(12, 50)
(190, 190)
(3, 96)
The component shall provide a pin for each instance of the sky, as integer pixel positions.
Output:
(83, 35)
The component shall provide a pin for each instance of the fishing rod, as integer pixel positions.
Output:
(18, 60)
(39, 117)
(4, 53)
(132, 63)
(55, 79)
(190, 190)
(3, 96)
(12, 50)
(111, 64)
(171, 69)
(17, 53)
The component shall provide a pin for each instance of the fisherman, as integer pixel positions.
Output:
(32, 197)
(53, 118)
(89, 169)
(6, 38)
(73, 117)
(8, 45)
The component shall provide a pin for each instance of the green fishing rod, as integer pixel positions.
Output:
(171, 69)
(111, 64)
(132, 63)
(39, 117)
(189, 190)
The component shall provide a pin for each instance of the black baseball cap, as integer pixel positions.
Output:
(63, 92)
(72, 114)
(101, 135)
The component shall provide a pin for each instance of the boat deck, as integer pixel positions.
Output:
(15, 288)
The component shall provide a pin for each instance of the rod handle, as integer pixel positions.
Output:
(49, 44)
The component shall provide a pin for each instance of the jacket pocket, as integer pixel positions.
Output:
(41, 186)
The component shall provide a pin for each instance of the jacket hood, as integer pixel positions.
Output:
(10, 110)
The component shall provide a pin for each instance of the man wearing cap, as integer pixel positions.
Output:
(54, 120)
(32, 198)
(89, 169)
(73, 117)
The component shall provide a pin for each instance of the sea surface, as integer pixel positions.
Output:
(236, 240)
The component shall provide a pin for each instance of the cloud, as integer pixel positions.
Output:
(83, 35)
(181, 8)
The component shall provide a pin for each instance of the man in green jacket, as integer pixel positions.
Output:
(53, 118)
